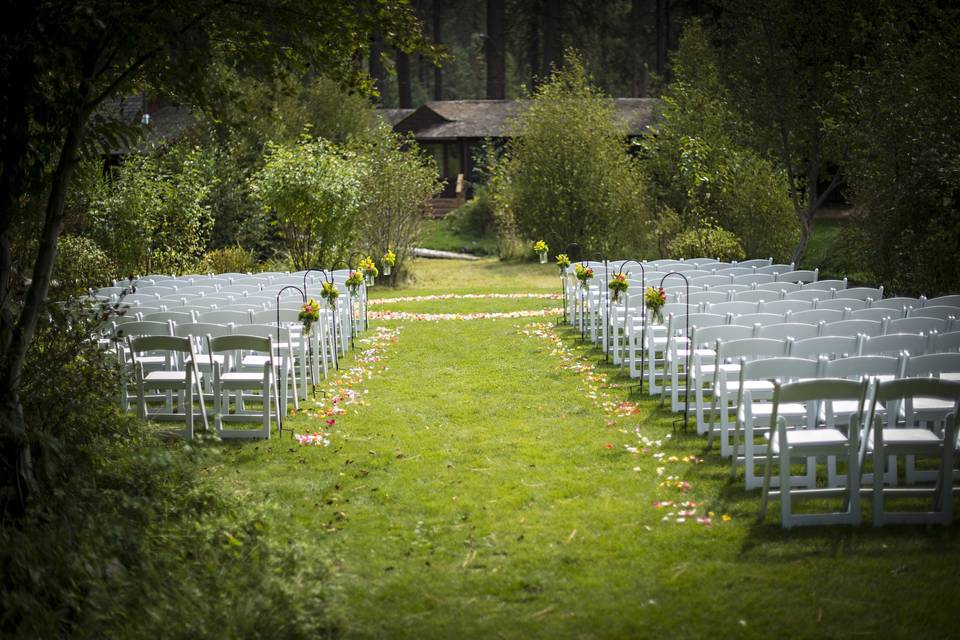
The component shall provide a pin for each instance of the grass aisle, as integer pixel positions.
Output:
(480, 492)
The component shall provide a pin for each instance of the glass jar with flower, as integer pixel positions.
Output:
(617, 285)
(563, 262)
(369, 269)
(330, 293)
(309, 313)
(583, 273)
(389, 259)
(354, 280)
(541, 248)
(654, 299)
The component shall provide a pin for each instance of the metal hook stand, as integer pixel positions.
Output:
(606, 303)
(686, 376)
(303, 296)
(563, 277)
(643, 326)
(333, 308)
(313, 383)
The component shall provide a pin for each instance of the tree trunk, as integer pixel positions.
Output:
(403, 80)
(378, 72)
(15, 455)
(552, 39)
(437, 39)
(496, 50)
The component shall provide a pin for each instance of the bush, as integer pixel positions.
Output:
(700, 168)
(566, 175)
(80, 265)
(476, 217)
(707, 241)
(313, 191)
(398, 183)
(234, 259)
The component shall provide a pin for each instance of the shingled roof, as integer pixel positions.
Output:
(457, 119)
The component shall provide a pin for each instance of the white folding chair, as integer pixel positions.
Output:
(842, 304)
(704, 359)
(916, 325)
(876, 314)
(178, 384)
(785, 306)
(892, 344)
(788, 330)
(815, 441)
(248, 386)
(852, 328)
(912, 442)
(830, 347)
(799, 275)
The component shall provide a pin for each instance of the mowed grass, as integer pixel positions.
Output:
(479, 492)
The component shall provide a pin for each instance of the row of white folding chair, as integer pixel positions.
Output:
(754, 387)
(802, 402)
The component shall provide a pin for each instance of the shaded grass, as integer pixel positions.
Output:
(479, 492)
(443, 235)
(474, 276)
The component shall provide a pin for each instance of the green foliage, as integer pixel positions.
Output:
(708, 241)
(398, 183)
(901, 159)
(313, 191)
(701, 171)
(477, 216)
(81, 264)
(566, 175)
(152, 216)
(233, 259)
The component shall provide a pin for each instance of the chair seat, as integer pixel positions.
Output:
(204, 360)
(850, 407)
(811, 438)
(238, 377)
(258, 361)
(787, 409)
(929, 405)
(906, 437)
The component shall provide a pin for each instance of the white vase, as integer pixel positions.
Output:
(387, 269)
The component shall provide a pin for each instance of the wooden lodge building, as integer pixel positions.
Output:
(454, 131)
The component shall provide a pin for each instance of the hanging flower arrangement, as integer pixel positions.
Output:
(654, 299)
(583, 273)
(330, 293)
(541, 248)
(369, 269)
(563, 262)
(618, 285)
(389, 259)
(354, 280)
(309, 313)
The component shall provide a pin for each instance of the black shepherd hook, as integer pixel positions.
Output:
(605, 303)
(569, 254)
(643, 327)
(328, 278)
(303, 296)
(363, 303)
(686, 377)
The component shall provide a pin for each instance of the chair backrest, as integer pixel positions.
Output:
(827, 285)
(819, 389)
(945, 342)
(731, 289)
(779, 368)
(725, 332)
(710, 280)
(889, 391)
(799, 275)
(732, 270)
(673, 308)
(864, 293)
(241, 342)
(874, 314)
(785, 306)
(842, 303)
(755, 295)
(200, 329)
(939, 311)
(677, 323)
(808, 294)
(225, 317)
(200, 289)
(761, 319)
(736, 308)
(829, 346)
(134, 298)
(791, 330)
(815, 316)
(143, 328)
(780, 287)
(157, 290)
(932, 364)
(864, 366)
(952, 300)
(751, 348)
(246, 307)
(175, 316)
(754, 278)
(898, 304)
(269, 316)
(143, 344)
(241, 289)
(894, 343)
(852, 328)
(775, 269)
(712, 297)
(916, 325)
(755, 262)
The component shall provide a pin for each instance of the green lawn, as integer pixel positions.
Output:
(442, 235)
(478, 490)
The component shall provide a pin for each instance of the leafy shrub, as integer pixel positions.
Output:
(80, 265)
(566, 175)
(707, 241)
(152, 216)
(700, 168)
(233, 259)
(313, 191)
(477, 216)
(398, 183)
